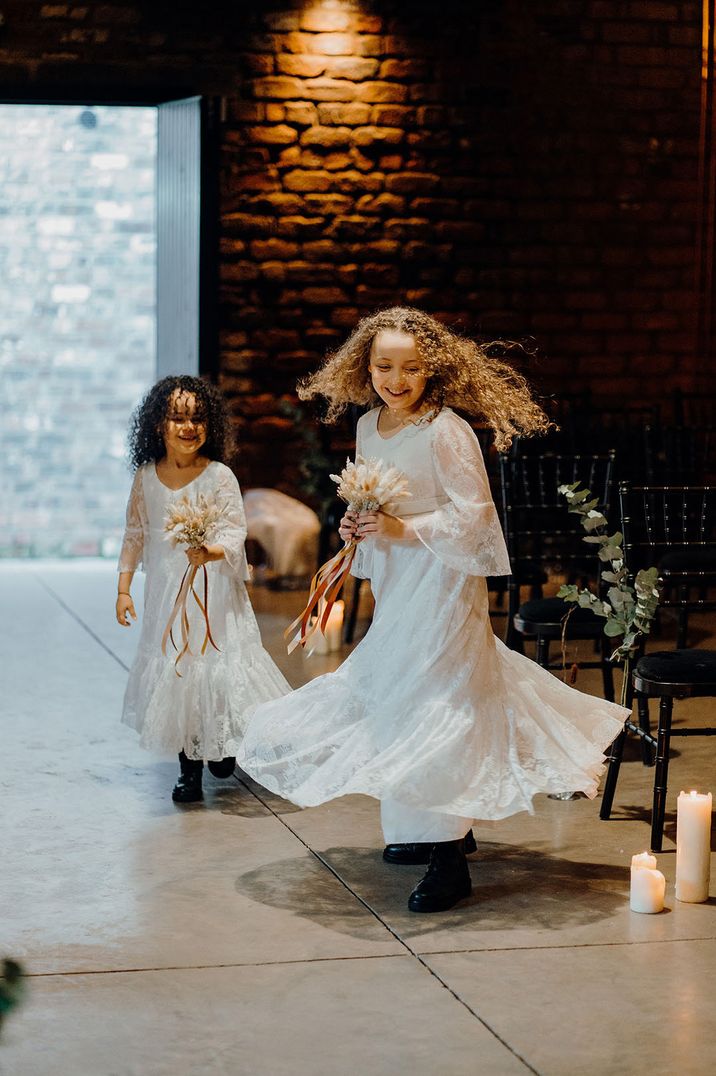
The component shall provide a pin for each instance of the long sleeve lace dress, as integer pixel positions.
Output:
(431, 713)
(207, 707)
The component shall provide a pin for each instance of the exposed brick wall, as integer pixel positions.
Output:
(518, 168)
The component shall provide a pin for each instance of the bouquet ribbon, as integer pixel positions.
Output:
(180, 613)
(325, 588)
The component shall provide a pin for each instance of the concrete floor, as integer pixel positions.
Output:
(244, 936)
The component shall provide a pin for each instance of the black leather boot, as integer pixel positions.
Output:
(420, 853)
(447, 880)
(188, 787)
(222, 767)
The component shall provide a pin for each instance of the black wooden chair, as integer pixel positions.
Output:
(694, 408)
(543, 538)
(680, 455)
(675, 528)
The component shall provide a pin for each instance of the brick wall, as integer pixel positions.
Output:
(518, 168)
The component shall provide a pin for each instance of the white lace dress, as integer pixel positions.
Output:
(205, 709)
(432, 714)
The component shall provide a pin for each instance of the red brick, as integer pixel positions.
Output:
(253, 63)
(366, 24)
(324, 296)
(279, 135)
(281, 21)
(651, 9)
(330, 44)
(392, 116)
(238, 271)
(328, 204)
(349, 181)
(405, 70)
(381, 92)
(300, 65)
(321, 249)
(300, 227)
(368, 136)
(273, 249)
(280, 87)
(410, 47)
(355, 68)
(291, 157)
(409, 228)
(248, 223)
(320, 20)
(657, 320)
(412, 183)
(327, 137)
(301, 113)
(300, 180)
(338, 113)
(381, 203)
(330, 89)
(356, 226)
(273, 271)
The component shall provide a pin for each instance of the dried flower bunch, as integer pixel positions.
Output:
(190, 522)
(368, 484)
(365, 486)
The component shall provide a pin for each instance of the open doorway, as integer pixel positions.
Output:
(77, 318)
(102, 242)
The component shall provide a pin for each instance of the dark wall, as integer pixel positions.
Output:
(521, 168)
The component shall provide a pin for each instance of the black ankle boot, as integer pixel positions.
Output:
(188, 787)
(447, 879)
(222, 767)
(413, 854)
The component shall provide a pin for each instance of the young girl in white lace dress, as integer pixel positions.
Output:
(178, 443)
(431, 714)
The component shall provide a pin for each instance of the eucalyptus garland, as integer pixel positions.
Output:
(628, 610)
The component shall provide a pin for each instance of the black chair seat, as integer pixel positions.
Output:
(689, 558)
(546, 615)
(679, 668)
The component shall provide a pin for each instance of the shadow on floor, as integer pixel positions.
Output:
(513, 888)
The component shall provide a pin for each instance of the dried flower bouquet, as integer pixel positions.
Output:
(190, 523)
(366, 486)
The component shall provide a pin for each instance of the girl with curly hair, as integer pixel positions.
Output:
(430, 714)
(179, 444)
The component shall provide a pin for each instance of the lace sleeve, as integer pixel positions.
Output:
(360, 568)
(230, 531)
(132, 552)
(465, 533)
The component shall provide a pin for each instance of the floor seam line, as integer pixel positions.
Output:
(578, 945)
(78, 619)
(401, 941)
(210, 967)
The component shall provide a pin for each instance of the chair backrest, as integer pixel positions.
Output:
(678, 455)
(694, 408)
(538, 527)
(673, 528)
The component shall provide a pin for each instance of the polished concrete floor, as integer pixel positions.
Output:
(245, 936)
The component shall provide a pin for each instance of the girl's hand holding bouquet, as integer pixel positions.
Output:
(366, 486)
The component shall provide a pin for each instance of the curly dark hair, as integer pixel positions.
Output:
(145, 439)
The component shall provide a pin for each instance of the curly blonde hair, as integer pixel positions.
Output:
(460, 374)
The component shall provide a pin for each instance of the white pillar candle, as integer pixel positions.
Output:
(648, 885)
(334, 627)
(326, 642)
(693, 847)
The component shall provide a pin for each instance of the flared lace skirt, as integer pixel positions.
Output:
(430, 709)
(205, 710)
